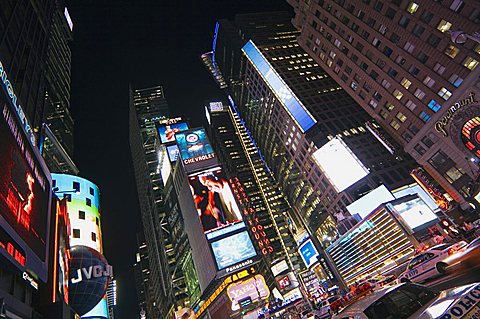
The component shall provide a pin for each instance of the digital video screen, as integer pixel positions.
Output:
(195, 149)
(167, 132)
(24, 187)
(308, 252)
(173, 152)
(214, 200)
(233, 249)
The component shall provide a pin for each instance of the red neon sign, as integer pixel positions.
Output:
(251, 216)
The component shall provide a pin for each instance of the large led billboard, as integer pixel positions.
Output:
(309, 253)
(414, 213)
(366, 204)
(25, 191)
(195, 149)
(339, 164)
(233, 249)
(167, 132)
(214, 200)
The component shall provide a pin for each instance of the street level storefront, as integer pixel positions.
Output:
(448, 149)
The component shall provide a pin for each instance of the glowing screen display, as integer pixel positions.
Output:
(366, 204)
(233, 249)
(173, 152)
(24, 194)
(415, 213)
(167, 132)
(308, 253)
(195, 149)
(214, 200)
(339, 164)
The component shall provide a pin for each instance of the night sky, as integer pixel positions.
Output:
(142, 43)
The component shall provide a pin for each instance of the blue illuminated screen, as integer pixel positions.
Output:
(308, 252)
(167, 132)
(173, 152)
(299, 113)
(233, 249)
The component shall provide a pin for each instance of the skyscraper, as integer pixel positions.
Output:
(57, 132)
(398, 61)
(25, 30)
(299, 116)
(162, 224)
(23, 54)
(141, 272)
(250, 176)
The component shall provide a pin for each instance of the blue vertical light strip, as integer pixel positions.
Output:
(214, 44)
(282, 91)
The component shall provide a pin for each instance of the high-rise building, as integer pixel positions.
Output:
(166, 241)
(398, 61)
(112, 298)
(141, 271)
(82, 199)
(57, 134)
(298, 116)
(23, 53)
(25, 184)
(267, 209)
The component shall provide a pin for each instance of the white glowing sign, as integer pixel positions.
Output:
(69, 20)
(366, 204)
(256, 288)
(339, 164)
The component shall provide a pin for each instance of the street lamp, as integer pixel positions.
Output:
(460, 37)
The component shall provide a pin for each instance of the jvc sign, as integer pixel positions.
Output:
(7, 86)
(90, 272)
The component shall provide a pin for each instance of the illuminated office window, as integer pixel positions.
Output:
(444, 93)
(401, 117)
(412, 7)
(451, 51)
(444, 26)
(395, 124)
(398, 95)
(406, 83)
(470, 63)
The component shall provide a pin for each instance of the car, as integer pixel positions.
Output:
(430, 263)
(414, 301)
(468, 257)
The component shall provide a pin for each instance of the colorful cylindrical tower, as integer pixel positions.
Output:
(83, 207)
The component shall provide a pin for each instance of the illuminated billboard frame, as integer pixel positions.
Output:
(214, 200)
(195, 149)
(309, 253)
(339, 164)
(413, 213)
(167, 132)
(25, 193)
(173, 152)
(233, 249)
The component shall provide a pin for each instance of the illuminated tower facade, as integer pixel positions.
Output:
(403, 63)
(83, 208)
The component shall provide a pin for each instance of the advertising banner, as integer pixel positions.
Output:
(25, 191)
(173, 152)
(233, 249)
(214, 199)
(195, 150)
(253, 288)
(167, 132)
(308, 252)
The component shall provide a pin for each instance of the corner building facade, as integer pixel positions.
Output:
(166, 286)
(292, 107)
(397, 60)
